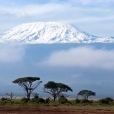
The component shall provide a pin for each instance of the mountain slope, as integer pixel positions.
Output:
(49, 32)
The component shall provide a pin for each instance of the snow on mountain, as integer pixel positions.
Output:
(49, 32)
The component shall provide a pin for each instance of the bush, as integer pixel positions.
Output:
(62, 99)
(36, 96)
(38, 100)
(41, 100)
(47, 101)
(107, 100)
(84, 101)
(6, 101)
(34, 100)
(24, 100)
(77, 101)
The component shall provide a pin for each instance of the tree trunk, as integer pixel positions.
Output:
(85, 97)
(28, 96)
(54, 97)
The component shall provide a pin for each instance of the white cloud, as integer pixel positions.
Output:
(89, 14)
(94, 2)
(82, 57)
(60, 12)
(11, 53)
(67, 10)
(33, 9)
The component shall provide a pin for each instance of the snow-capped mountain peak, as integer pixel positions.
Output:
(49, 32)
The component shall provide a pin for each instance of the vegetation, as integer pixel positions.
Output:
(107, 100)
(57, 93)
(56, 89)
(29, 84)
(86, 94)
(62, 99)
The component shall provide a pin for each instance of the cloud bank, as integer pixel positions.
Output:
(32, 9)
(72, 8)
(82, 57)
(11, 54)
(95, 16)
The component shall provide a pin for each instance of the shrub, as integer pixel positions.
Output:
(36, 96)
(34, 100)
(41, 100)
(62, 99)
(38, 100)
(24, 100)
(84, 101)
(77, 101)
(4, 99)
(107, 100)
(47, 101)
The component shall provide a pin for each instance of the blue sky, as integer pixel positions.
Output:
(92, 16)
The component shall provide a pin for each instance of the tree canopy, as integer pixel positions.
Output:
(29, 84)
(86, 93)
(26, 79)
(55, 89)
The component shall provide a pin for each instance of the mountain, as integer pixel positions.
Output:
(50, 32)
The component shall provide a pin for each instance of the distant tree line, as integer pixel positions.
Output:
(56, 90)
(57, 94)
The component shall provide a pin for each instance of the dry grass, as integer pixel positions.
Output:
(55, 110)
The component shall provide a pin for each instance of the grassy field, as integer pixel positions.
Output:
(33, 106)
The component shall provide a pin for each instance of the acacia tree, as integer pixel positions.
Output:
(86, 94)
(56, 89)
(29, 84)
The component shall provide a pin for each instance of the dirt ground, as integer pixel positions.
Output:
(52, 110)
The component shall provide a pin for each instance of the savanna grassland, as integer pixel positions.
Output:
(55, 110)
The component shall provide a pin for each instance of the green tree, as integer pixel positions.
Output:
(56, 89)
(29, 84)
(86, 93)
